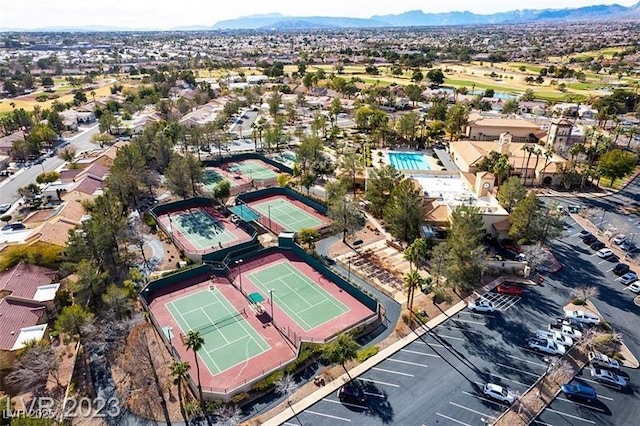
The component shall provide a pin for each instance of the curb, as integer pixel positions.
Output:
(360, 369)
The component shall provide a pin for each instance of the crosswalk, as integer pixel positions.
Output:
(502, 302)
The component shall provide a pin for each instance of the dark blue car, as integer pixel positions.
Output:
(579, 391)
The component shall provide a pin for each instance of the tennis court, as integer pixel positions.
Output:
(210, 178)
(254, 169)
(200, 228)
(289, 216)
(229, 339)
(303, 300)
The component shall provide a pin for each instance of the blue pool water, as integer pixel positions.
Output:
(409, 161)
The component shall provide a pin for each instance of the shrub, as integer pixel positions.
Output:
(237, 399)
(434, 155)
(267, 383)
(6, 218)
(380, 154)
(439, 163)
(366, 353)
(578, 301)
(441, 295)
(48, 177)
(41, 254)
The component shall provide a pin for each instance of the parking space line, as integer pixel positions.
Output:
(510, 380)
(517, 369)
(542, 423)
(475, 313)
(527, 361)
(452, 419)
(589, 380)
(484, 399)
(571, 416)
(289, 424)
(378, 395)
(348, 404)
(450, 337)
(580, 404)
(407, 362)
(469, 321)
(605, 397)
(378, 382)
(400, 373)
(473, 411)
(420, 353)
(437, 345)
(327, 415)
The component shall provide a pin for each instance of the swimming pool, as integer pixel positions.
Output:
(409, 161)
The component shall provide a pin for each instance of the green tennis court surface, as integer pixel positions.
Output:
(304, 301)
(255, 170)
(287, 215)
(202, 230)
(210, 178)
(229, 339)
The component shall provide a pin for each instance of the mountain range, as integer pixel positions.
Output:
(413, 18)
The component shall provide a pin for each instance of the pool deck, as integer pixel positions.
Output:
(432, 163)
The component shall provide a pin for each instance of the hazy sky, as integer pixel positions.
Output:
(171, 13)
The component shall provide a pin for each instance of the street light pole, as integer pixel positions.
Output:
(271, 299)
(239, 262)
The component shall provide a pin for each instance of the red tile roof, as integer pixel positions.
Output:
(15, 314)
(23, 279)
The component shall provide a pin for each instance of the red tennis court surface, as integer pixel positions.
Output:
(281, 352)
(232, 235)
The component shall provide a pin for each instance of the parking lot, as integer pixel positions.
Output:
(438, 379)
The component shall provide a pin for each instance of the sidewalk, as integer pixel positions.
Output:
(360, 369)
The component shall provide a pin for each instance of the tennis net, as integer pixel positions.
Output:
(222, 322)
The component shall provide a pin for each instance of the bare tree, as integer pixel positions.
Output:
(536, 255)
(228, 415)
(561, 372)
(585, 292)
(33, 368)
(286, 386)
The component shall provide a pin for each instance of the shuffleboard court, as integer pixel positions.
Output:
(304, 301)
(202, 230)
(289, 216)
(229, 339)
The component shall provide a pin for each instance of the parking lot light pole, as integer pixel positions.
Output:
(349, 273)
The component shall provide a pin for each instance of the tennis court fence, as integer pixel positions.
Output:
(263, 220)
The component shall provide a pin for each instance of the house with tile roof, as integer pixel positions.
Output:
(480, 128)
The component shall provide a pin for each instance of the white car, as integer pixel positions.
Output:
(619, 239)
(583, 317)
(546, 345)
(556, 336)
(498, 393)
(634, 287)
(605, 253)
(608, 378)
(600, 360)
(481, 305)
(566, 330)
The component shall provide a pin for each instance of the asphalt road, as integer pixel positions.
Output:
(9, 187)
(437, 380)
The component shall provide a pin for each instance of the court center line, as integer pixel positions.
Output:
(318, 290)
(215, 325)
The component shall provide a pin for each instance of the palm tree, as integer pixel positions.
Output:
(416, 253)
(412, 281)
(632, 132)
(194, 343)
(548, 154)
(180, 372)
(528, 149)
(538, 152)
(502, 168)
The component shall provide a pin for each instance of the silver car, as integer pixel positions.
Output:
(608, 378)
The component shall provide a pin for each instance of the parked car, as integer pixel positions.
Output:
(545, 345)
(628, 278)
(15, 226)
(589, 239)
(605, 253)
(627, 246)
(4, 208)
(634, 287)
(481, 305)
(584, 317)
(498, 393)
(579, 391)
(619, 239)
(510, 289)
(621, 269)
(352, 392)
(597, 245)
(608, 378)
(570, 322)
(600, 360)
(566, 330)
(555, 336)
(584, 233)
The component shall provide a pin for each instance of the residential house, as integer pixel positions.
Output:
(532, 107)
(6, 142)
